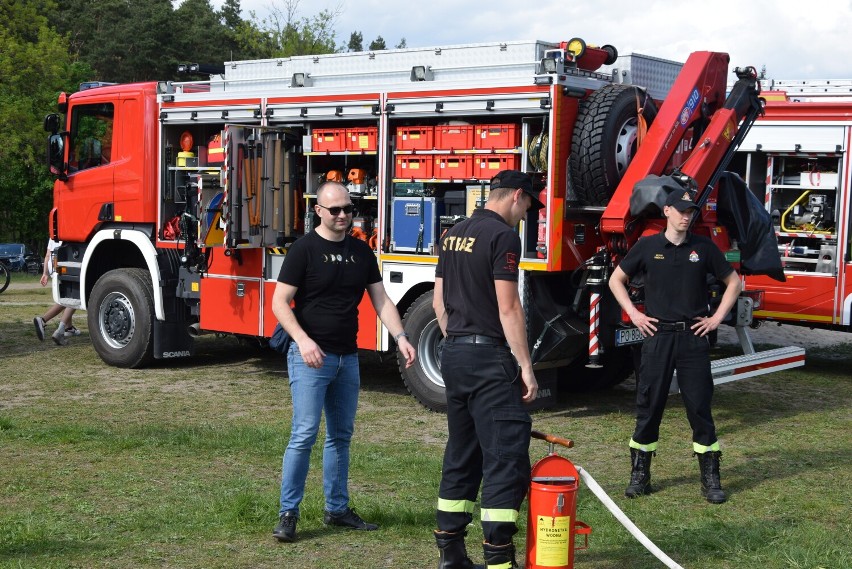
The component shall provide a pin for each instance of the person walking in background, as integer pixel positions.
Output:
(488, 374)
(66, 328)
(326, 273)
(675, 264)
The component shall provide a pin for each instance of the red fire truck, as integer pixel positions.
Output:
(176, 201)
(796, 158)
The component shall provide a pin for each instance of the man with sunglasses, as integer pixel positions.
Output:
(488, 375)
(325, 274)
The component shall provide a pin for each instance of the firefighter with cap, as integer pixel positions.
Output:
(488, 374)
(675, 264)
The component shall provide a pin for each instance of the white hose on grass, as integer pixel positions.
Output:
(625, 521)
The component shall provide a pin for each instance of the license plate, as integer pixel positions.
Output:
(627, 336)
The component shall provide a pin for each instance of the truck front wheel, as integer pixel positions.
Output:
(120, 317)
(423, 379)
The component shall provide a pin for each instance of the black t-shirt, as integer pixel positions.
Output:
(676, 275)
(312, 265)
(473, 254)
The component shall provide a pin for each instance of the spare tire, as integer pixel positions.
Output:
(605, 140)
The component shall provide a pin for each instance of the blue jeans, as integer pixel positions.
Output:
(333, 388)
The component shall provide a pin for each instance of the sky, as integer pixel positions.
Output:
(793, 39)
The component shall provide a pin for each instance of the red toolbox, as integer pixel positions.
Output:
(487, 165)
(419, 166)
(496, 136)
(453, 166)
(328, 140)
(363, 138)
(454, 137)
(415, 138)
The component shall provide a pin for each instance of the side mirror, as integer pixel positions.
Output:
(51, 123)
(56, 155)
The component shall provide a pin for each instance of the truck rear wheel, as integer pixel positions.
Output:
(617, 365)
(423, 379)
(605, 140)
(120, 317)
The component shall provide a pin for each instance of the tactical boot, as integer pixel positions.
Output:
(640, 476)
(453, 552)
(711, 484)
(499, 556)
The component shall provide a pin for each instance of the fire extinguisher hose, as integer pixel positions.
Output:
(625, 521)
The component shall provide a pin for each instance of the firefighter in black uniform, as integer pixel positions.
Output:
(675, 264)
(479, 310)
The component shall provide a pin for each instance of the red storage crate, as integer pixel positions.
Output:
(497, 136)
(329, 140)
(453, 166)
(413, 166)
(415, 138)
(454, 137)
(364, 138)
(487, 165)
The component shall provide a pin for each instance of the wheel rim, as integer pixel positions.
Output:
(427, 353)
(116, 320)
(625, 145)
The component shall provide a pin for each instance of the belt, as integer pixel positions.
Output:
(477, 339)
(672, 326)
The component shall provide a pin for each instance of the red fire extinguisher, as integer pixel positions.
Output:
(541, 240)
(552, 525)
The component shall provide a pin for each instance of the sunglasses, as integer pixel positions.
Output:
(347, 209)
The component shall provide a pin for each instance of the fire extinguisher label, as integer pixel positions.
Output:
(551, 544)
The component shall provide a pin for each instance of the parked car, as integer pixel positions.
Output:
(19, 257)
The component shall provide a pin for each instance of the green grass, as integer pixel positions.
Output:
(179, 466)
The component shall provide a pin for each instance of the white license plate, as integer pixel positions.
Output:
(627, 336)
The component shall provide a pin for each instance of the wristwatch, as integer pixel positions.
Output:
(400, 335)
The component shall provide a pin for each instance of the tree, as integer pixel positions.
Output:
(282, 34)
(401, 44)
(378, 44)
(356, 42)
(34, 67)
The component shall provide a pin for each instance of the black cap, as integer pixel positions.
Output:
(517, 181)
(681, 200)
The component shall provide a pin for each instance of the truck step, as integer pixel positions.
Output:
(750, 365)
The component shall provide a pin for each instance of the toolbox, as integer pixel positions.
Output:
(487, 165)
(362, 139)
(328, 140)
(453, 166)
(496, 136)
(412, 167)
(454, 137)
(415, 221)
(415, 138)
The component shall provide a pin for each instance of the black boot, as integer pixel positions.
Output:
(502, 556)
(453, 551)
(640, 476)
(711, 484)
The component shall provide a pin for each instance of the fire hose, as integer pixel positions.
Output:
(625, 521)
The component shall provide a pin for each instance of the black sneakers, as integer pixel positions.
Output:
(348, 519)
(286, 528)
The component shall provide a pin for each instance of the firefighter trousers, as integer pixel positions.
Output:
(488, 443)
(662, 354)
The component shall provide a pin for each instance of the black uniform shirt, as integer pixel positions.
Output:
(311, 265)
(473, 254)
(676, 275)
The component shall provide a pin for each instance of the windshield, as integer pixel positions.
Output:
(11, 249)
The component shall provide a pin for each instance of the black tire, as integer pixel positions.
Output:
(423, 380)
(5, 277)
(120, 317)
(617, 365)
(604, 141)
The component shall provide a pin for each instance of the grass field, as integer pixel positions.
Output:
(179, 465)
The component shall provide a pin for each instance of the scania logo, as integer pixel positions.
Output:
(181, 354)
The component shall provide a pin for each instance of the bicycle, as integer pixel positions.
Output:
(5, 276)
